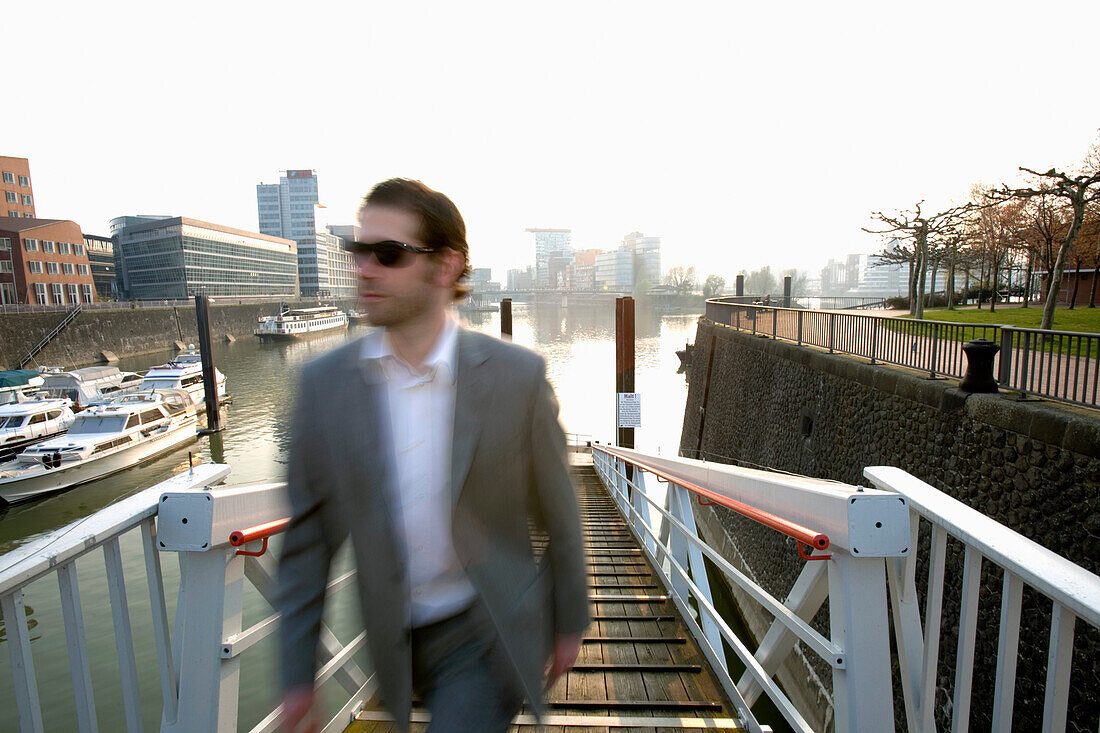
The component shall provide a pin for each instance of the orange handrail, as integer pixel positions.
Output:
(804, 535)
(259, 532)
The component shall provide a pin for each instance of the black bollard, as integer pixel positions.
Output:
(506, 319)
(979, 366)
(740, 292)
(209, 382)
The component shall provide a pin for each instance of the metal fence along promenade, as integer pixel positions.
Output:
(1057, 365)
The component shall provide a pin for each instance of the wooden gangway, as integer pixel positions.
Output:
(639, 668)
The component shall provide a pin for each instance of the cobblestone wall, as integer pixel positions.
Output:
(1032, 466)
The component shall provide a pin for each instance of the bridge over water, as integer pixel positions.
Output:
(658, 655)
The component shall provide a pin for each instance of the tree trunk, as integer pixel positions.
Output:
(913, 284)
(1027, 283)
(966, 286)
(922, 257)
(996, 274)
(1095, 274)
(951, 282)
(1060, 265)
(1076, 282)
(931, 301)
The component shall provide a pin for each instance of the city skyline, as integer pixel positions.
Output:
(743, 136)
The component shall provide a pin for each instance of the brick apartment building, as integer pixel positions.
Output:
(43, 261)
(16, 194)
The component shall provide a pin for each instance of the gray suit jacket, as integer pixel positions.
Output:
(508, 464)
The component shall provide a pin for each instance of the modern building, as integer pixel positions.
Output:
(101, 258)
(584, 269)
(553, 257)
(179, 257)
(326, 269)
(862, 275)
(635, 263)
(43, 262)
(287, 208)
(521, 279)
(15, 188)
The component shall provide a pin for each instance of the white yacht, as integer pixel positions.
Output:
(31, 421)
(296, 323)
(17, 385)
(89, 385)
(102, 440)
(184, 372)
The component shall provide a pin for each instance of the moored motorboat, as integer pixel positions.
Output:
(17, 385)
(88, 385)
(101, 440)
(296, 323)
(184, 372)
(25, 423)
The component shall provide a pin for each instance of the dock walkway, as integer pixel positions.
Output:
(639, 669)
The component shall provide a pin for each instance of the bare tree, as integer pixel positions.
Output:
(683, 280)
(1078, 192)
(918, 227)
(713, 285)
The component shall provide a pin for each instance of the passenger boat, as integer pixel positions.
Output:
(31, 421)
(89, 385)
(17, 385)
(102, 440)
(184, 372)
(296, 323)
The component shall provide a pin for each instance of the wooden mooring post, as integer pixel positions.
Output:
(506, 319)
(624, 360)
(209, 382)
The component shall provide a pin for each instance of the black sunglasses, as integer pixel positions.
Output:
(389, 253)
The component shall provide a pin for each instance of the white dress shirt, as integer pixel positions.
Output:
(421, 411)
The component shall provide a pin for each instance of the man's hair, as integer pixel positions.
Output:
(441, 226)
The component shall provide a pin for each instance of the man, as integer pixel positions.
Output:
(432, 447)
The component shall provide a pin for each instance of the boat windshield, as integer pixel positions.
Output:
(160, 383)
(12, 422)
(98, 424)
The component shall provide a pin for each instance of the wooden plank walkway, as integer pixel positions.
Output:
(639, 669)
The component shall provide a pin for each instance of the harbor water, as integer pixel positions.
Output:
(578, 344)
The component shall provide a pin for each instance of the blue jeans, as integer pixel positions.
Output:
(463, 675)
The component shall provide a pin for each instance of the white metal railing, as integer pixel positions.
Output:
(859, 528)
(872, 543)
(199, 657)
(1072, 591)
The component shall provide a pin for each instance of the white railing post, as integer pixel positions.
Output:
(691, 557)
(209, 609)
(863, 697)
(643, 517)
(22, 664)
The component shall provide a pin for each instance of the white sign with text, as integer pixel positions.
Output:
(629, 410)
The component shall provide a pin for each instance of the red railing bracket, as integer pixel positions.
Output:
(802, 553)
(259, 532)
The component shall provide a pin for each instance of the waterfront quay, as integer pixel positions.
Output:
(898, 550)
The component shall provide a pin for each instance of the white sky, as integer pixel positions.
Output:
(743, 134)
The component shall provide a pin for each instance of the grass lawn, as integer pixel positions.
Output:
(1083, 319)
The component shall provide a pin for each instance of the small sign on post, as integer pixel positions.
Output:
(628, 410)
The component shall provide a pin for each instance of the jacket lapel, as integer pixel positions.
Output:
(365, 441)
(471, 395)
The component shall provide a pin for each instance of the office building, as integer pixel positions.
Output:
(287, 208)
(326, 269)
(179, 257)
(15, 188)
(553, 257)
(521, 279)
(43, 262)
(635, 263)
(101, 258)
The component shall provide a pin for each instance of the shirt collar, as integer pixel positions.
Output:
(444, 353)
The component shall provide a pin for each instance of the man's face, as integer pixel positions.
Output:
(396, 296)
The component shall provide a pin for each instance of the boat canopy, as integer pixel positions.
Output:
(18, 377)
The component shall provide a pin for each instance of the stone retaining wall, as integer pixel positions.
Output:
(124, 332)
(1030, 465)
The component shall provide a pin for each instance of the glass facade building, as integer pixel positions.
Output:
(101, 258)
(553, 252)
(325, 268)
(180, 257)
(287, 208)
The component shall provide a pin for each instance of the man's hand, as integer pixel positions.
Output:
(297, 714)
(566, 649)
